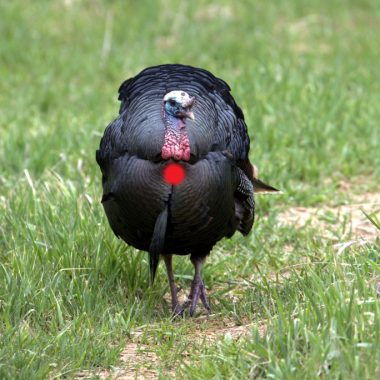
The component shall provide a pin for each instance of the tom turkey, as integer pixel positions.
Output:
(176, 173)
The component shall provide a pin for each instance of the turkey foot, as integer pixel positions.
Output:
(197, 291)
(176, 307)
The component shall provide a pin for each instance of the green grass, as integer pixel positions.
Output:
(71, 294)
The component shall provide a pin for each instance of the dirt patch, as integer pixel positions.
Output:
(139, 361)
(340, 222)
(216, 327)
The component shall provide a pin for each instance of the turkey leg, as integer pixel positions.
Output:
(173, 287)
(198, 290)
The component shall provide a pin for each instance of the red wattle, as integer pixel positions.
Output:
(174, 173)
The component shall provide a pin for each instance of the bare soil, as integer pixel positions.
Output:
(340, 223)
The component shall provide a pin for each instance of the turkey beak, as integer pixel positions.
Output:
(189, 114)
(190, 103)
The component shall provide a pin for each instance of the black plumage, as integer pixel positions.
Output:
(216, 197)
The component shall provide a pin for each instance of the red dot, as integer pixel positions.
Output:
(174, 173)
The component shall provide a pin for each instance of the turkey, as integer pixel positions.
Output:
(175, 169)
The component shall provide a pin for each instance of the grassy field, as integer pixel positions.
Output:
(74, 299)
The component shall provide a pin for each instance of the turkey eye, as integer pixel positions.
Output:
(172, 103)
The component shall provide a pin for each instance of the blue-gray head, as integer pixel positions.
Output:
(178, 104)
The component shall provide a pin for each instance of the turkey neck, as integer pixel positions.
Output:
(176, 144)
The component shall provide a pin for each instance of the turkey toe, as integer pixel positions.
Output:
(198, 292)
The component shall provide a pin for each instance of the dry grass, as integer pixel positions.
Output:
(329, 220)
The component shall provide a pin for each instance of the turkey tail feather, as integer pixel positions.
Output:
(261, 187)
(157, 242)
